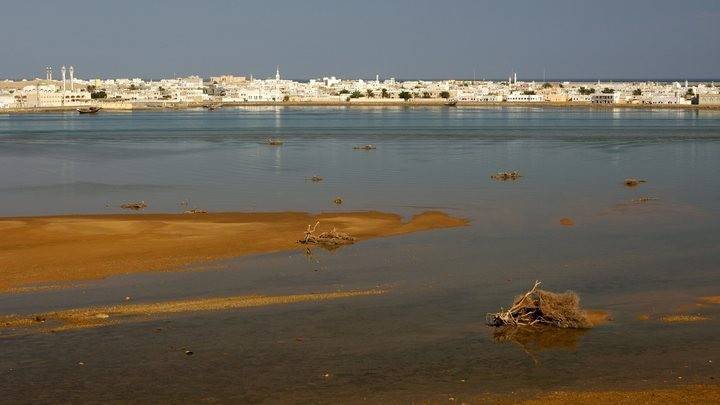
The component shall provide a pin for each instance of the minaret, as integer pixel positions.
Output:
(62, 70)
(49, 72)
(277, 73)
(377, 78)
(515, 77)
(72, 84)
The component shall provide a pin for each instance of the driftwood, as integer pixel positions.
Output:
(315, 178)
(504, 176)
(134, 205)
(632, 182)
(539, 307)
(643, 200)
(365, 147)
(195, 211)
(274, 142)
(327, 238)
(338, 200)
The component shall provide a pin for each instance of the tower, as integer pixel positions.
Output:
(72, 85)
(277, 73)
(62, 70)
(515, 77)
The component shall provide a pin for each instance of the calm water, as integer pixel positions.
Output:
(426, 338)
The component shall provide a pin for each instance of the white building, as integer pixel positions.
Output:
(524, 98)
(605, 98)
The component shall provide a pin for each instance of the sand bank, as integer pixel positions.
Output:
(114, 314)
(676, 395)
(80, 247)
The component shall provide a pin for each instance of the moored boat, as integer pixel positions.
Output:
(88, 110)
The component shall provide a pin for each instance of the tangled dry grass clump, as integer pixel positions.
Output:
(540, 307)
(365, 147)
(327, 238)
(505, 176)
(338, 200)
(274, 142)
(134, 205)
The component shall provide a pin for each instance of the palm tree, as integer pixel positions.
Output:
(370, 93)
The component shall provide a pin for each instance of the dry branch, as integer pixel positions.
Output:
(327, 238)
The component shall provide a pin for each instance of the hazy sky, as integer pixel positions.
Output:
(401, 38)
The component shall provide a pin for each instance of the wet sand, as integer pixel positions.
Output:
(112, 314)
(687, 394)
(61, 249)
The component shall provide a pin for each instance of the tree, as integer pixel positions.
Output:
(356, 94)
(405, 95)
(370, 93)
(585, 91)
(546, 85)
(426, 94)
(637, 92)
(91, 88)
(286, 98)
(98, 94)
(344, 91)
(384, 93)
(529, 92)
(608, 90)
(445, 94)
(690, 92)
(134, 87)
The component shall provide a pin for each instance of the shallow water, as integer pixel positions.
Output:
(425, 338)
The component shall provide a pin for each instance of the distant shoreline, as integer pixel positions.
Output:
(124, 106)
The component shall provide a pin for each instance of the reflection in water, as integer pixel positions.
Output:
(534, 339)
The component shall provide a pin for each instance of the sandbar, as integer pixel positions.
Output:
(63, 249)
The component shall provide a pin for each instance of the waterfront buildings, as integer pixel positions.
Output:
(241, 89)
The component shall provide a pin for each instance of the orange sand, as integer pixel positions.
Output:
(113, 314)
(691, 394)
(81, 247)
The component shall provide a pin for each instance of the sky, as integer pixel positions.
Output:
(406, 39)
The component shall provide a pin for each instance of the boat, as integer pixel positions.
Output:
(88, 110)
(450, 103)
